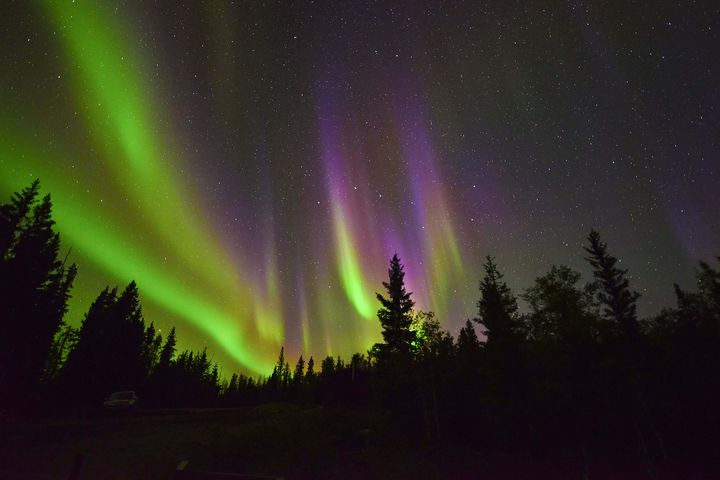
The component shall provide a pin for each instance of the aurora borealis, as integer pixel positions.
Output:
(253, 166)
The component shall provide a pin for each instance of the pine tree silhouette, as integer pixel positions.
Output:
(299, 370)
(327, 366)
(34, 291)
(109, 355)
(497, 308)
(310, 372)
(150, 349)
(468, 343)
(395, 314)
(497, 312)
(277, 377)
(168, 351)
(128, 346)
(615, 294)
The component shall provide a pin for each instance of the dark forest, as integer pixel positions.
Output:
(578, 378)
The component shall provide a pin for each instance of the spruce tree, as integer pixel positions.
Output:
(13, 215)
(233, 386)
(168, 351)
(63, 343)
(86, 363)
(327, 366)
(127, 346)
(277, 375)
(395, 313)
(310, 372)
(468, 343)
(497, 308)
(34, 291)
(497, 312)
(286, 376)
(299, 370)
(110, 352)
(614, 293)
(151, 348)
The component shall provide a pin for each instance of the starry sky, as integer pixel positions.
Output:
(253, 165)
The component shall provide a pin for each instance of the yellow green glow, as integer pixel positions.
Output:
(348, 265)
(82, 227)
(161, 215)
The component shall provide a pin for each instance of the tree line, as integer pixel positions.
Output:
(578, 371)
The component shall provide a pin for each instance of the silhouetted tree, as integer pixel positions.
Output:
(468, 343)
(614, 293)
(359, 363)
(504, 335)
(278, 378)
(168, 351)
(561, 311)
(14, 214)
(286, 375)
(34, 291)
(86, 362)
(395, 313)
(563, 327)
(299, 373)
(193, 381)
(433, 349)
(232, 388)
(109, 351)
(688, 343)
(65, 341)
(624, 369)
(310, 373)
(327, 366)
(497, 309)
(128, 348)
(152, 342)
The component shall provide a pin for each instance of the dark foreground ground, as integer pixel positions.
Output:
(279, 440)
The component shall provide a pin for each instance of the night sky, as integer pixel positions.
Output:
(253, 165)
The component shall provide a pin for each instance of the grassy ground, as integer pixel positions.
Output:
(274, 439)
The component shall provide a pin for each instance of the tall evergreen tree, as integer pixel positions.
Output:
(615, 294)
(168, 351)
(468, 344)
(619, 303)
(299, 370)
(109, 352)
(128, 345)
(395, 313)
(14, 214)
(34, 291)
(310, 372)
(86, 362)
(151, 348)
(63, 343)
(327, 366)
(497, 312)
(497, 308)
(233, 387)
(286, 376)
(277, 377)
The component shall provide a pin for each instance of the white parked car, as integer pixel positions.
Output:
(121, 400)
